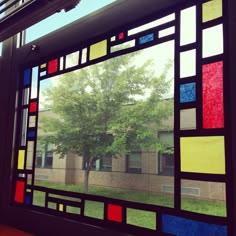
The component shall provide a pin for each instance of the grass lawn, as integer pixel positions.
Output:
(134, 217)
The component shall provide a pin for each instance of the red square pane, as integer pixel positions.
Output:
(212, 85)
(114, 213)
(52, 66)
(19, 193)
(33, 107)
(121, 35)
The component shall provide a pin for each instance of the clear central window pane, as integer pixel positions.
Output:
(99, 128)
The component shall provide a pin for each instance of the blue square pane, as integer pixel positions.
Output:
(188, 92)
(31, 133)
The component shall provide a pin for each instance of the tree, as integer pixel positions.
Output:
(99, 111)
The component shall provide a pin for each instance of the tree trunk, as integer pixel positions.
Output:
(86, 180)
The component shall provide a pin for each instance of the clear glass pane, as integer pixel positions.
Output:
(203, 197)
(110, 98)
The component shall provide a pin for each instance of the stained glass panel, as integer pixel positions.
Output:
(84, 55)
(152, 24)
(188, 63)
(94, 209)
(145, 219)
(213, 107)
(181, 226)
(30, 152)
(188, 92)
(52, 66)
(213, 41)
(98, 50)
(146, 38)
(19, 193)
(188, 24)
(34, 83)
(31, 133)
(203, 154)
(211, 10)
(166, 32)
(33, 107)
(188, 119)
(72, 59)
(123, 46)
(27, 75)
(114, 213)
(21, 159)
(121, 35)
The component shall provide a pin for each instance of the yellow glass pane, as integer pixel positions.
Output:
(211, 10)
(43, 66)
(203, 154)
(98, 50)
(21, 159)
(60, 207)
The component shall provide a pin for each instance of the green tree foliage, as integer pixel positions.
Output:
(98, 110)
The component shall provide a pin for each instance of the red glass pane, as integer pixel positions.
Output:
(114, 213)
(33, 106)
(213, 107)
(52, 66)
(19, 194)
(121, 36)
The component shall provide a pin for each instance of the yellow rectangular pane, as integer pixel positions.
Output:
(211, 10)
(21, 159)
(98, 50)
(203, 154)
(43, 66)
(60, 207)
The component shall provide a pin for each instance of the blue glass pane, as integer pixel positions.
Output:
(27, 77)
(31, 133)
(146, 38)
(188, 92)
(184, 227)
(27, 199)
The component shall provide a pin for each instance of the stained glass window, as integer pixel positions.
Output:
(174, 83)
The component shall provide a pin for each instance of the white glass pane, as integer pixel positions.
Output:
(188, 63)
(72, 59)
(34, 85)
(188, 26)
(213, 41)
(152, 24)
(166, 32)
